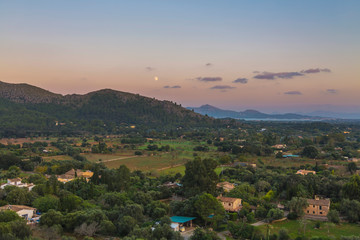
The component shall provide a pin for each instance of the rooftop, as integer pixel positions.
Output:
(228, 199)
(16, 208)
(181, 219)
(323, 202)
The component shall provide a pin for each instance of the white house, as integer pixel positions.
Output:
(17, 182)
(23, 211)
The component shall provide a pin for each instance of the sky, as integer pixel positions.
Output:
(273, 56)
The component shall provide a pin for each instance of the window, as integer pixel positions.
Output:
(320, 207)
(320, 212)
(313, 206)
(313, 212)
(308, 211)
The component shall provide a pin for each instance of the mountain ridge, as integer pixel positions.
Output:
(249, 114)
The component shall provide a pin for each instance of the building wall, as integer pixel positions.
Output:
(23, 212)
(317, 210)
(232, 206)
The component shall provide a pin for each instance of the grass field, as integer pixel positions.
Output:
(295, 228)
(145, 162)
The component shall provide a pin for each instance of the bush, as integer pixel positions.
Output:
(283, 234)
(275, 214)
(292, 216)
(333, 216)
(138, 153)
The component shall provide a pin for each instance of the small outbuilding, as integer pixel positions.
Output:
(181, 221)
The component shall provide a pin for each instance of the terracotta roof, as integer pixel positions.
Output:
(227, 199)
(322, 202)
(14, 179)
(16, 208)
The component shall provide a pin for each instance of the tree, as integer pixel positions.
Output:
(283, 234)
(310, 152)
(200, 177)
(43, 204)
(207, 205)
(70, 202)
(8, 216)
(351, 189)
(51, 218)
(20, 229)
(275, 214)
(126, 225)
(351, 210)
(202, 234)
(122, 178)
(333, 216)
(19, 196)
(87, 229)
(351, 167)
(241, 230)
(297, 205)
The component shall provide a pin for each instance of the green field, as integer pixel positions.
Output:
(295, 229)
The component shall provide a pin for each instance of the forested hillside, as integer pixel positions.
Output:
(26, 108)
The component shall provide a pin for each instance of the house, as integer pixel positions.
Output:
(230, 204)
(279, 146)
(178, 223)
(17, 182)
(72, 174)
(318, 207)
(305, 172)
(226, 186)
(28, 213)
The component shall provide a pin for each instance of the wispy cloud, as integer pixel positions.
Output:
(208, 64)
(273, 76)
(241, 80)
(150, 69)
(176, 86)
(293, 93)
(222, 87)
(316, 70)
(332, 91)
(209, 79)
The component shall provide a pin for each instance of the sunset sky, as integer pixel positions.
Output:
(273, 56)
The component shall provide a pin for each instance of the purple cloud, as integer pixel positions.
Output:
(209, 79)
(293, 93)
(315, 70)
(150, 69)
(176, 86)
(241, 80)
(209, 64)
(332, 91)
(222, 87)
(289, 75)
(273, 76)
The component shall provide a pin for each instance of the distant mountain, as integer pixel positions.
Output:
(25, 107)
(330, 114)
(248, 114)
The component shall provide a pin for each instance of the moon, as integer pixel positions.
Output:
(156, 78)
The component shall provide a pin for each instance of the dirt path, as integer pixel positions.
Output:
(173, 166)
(120, 158)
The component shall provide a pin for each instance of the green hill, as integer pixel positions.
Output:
(25, 108)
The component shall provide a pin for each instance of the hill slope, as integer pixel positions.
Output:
(23, 103)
